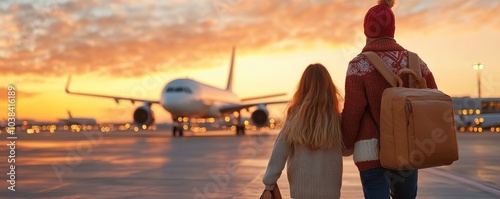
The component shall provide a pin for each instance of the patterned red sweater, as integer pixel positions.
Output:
(363, 91)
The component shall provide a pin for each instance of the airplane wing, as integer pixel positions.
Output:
(237, 107)
(116, 98)
(262, 97)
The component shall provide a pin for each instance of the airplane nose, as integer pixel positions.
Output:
(177, 104)
(174, 103)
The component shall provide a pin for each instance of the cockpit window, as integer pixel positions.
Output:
(178, 90)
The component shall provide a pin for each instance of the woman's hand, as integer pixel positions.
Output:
(347, 152)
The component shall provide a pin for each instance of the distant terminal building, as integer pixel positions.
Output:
(477, 114)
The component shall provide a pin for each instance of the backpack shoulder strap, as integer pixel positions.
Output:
(383, 69)
(414, 65)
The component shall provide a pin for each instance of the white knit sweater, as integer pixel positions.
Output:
(312, 174)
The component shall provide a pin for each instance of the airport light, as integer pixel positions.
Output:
(478, 67)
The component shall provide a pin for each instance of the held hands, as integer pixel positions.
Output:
(347, 152)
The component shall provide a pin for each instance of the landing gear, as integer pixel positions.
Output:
(240, 128)
(178, 129)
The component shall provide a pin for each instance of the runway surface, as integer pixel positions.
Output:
(213, 164)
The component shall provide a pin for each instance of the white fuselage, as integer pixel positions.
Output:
(482, 120)
(189, 98)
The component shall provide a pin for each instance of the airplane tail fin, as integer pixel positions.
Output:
(69, 115)
(231, 70)
(67, 84)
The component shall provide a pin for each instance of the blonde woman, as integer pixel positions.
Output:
(310, 141)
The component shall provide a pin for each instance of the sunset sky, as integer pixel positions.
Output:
(133, 48)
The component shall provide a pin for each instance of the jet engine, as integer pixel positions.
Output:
(260, 116)
(144, 115)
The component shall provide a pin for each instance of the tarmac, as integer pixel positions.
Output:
(214, 164)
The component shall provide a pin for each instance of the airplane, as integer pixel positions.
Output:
(17, 123)
(189, 98)
(22, 123)
(478, 123)
(473, 114)
(72, 120)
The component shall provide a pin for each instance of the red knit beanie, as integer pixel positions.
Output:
(380, 21)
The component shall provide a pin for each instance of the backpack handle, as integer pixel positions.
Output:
(420, 81)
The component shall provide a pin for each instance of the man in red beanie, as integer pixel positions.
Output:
(361, 115)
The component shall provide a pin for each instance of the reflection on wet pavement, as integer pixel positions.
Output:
(155, 165)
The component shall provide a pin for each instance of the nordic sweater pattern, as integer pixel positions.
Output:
(363, 92)
(312, 174)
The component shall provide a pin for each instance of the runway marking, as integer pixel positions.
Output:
(465, 181)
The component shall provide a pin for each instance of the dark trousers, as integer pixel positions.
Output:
(381, 183)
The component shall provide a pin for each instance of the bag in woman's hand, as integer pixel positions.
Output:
(275, 193)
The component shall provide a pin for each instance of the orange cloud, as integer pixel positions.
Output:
(19, 94)
(127, 38)
(462, 16)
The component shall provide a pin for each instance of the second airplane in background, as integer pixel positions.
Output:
(192, 99)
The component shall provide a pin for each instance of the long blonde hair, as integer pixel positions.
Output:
(313, 116)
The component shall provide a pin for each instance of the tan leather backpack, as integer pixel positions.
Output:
(417, 125)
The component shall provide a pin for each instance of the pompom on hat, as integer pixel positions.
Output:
(380, 20)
